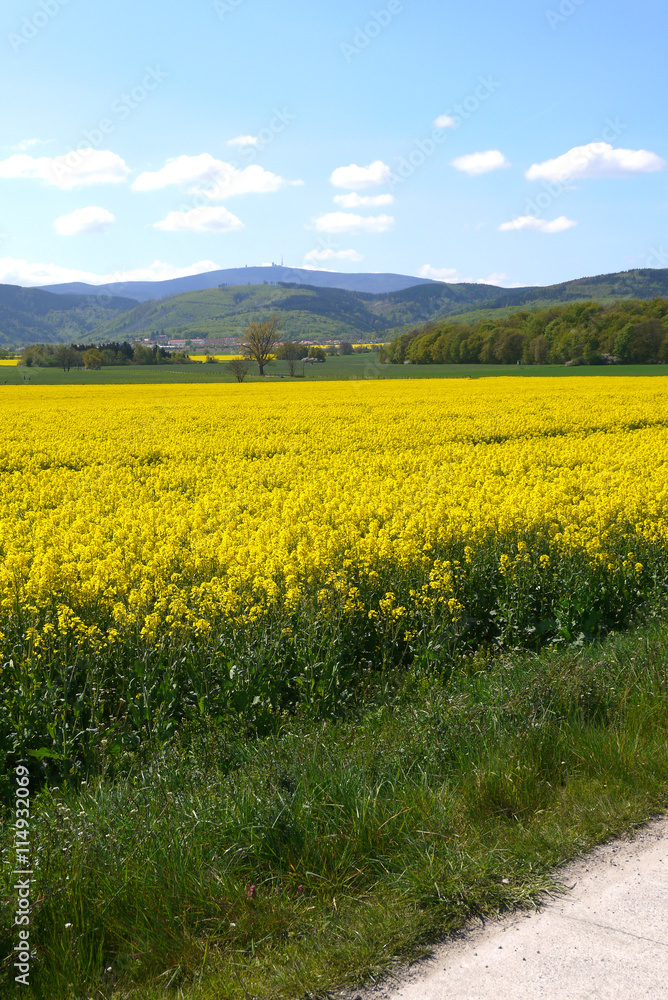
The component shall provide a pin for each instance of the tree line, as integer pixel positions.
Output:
(261, 345)
(68, 356)
(629, 332)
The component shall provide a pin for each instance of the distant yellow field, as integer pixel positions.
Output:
(218, 357)
(12, 362)
(149, 510)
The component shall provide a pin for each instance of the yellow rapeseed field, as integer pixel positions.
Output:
(217, 357)
(151, 511)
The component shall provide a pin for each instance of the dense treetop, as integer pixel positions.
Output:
(628, 332)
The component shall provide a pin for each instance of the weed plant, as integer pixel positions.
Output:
(233, 863)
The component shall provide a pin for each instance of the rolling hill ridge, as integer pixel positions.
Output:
(307, 311)
(313, 313)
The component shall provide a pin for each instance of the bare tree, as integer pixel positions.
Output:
(259, 341)
(239, 367)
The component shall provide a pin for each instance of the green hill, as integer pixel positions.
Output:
(627, 331)
(471, 303)
(28, 315)
(307, 312)
(310, 313)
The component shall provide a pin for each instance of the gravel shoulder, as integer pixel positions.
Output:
(605, 938)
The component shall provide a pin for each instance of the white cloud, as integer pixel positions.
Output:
(21, 147)
(351, 255)
(440, 273)
(84, 221)
(498, 278)
(347, 222)
(597, 159)
(212, 178)
(444, 121)
(480, 163)
(356, 178)
(454, 277)
(15, 271)
(363, 200)
(200, 220)
(241, 141)
(559, 225)
(79, 168)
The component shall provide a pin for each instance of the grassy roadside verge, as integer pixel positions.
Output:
(227, 865)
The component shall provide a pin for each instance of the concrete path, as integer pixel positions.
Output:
(605, 939)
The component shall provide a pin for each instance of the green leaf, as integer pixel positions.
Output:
(41, 754)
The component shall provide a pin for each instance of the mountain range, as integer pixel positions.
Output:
(143, 290)
(308, 311)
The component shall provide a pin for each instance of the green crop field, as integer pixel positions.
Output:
(357, 366)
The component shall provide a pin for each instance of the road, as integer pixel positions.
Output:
(606, 938)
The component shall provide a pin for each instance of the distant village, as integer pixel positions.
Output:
(221, 344)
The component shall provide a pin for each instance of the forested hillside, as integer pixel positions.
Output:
(29, 315)
(306, 312)
(630, 332)
(316, 313)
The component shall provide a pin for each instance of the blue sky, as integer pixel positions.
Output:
(521, 143)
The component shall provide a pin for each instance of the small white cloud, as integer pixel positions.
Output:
(84, 222)
(241, 141)
(356, 178)
(454, 277)
(21, 147)
(450, 274)
(559, 225)
(498, 278)
(444, 121)
(14, 271)
(211, 178)
(347, 222)
(597, 159)
(480, 163)
(80, 168)
(363, 200)
(160, 271)
(326, 254)
(200, 220)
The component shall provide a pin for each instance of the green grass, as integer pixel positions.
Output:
(232, 864)
(358, 366)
